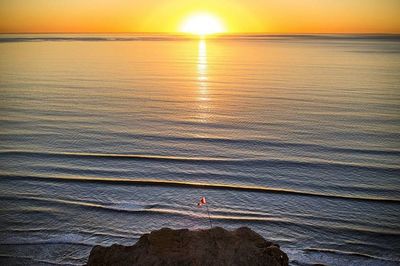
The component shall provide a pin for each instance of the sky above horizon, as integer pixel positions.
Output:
(238, 16)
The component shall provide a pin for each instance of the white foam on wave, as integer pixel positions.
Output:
(34, 239)
(299, 257)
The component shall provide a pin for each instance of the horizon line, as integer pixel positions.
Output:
(216, 34)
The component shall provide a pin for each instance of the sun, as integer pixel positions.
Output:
(202, 24)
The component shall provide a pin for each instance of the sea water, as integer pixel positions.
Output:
(107, 137)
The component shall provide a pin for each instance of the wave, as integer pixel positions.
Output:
(46, 242)
(129, 207)
(187, 184)
(154, 209)
(258, 142)
(117, 156)
(321, 256)
(25, 260)
(199, 160)
(348, 253)
(73, 236)
(216, 214)
(177, 213)
(54, 239)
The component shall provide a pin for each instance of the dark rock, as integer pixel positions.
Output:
(215, 246)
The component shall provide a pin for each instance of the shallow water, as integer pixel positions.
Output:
(104, 138)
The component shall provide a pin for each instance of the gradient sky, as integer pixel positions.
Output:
(270, 16)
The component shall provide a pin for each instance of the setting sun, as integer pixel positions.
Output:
(202, 24)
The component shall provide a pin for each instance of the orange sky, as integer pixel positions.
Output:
(270, 16)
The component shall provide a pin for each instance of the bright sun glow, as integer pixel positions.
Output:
(202, 24)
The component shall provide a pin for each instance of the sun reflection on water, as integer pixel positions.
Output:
(202, 79)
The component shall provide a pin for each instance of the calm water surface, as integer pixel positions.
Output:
(104, 138)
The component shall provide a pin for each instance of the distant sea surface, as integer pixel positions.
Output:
(106, 137)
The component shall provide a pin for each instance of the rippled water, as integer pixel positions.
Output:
(104, 138)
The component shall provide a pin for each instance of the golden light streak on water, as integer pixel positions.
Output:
(202, 78)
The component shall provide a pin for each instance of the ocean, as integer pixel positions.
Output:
(107, 137)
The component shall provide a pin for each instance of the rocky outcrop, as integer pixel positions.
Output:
(215, 246)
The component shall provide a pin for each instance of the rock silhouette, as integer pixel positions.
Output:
(215, 246)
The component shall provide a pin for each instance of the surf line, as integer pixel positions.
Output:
(188, 184)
